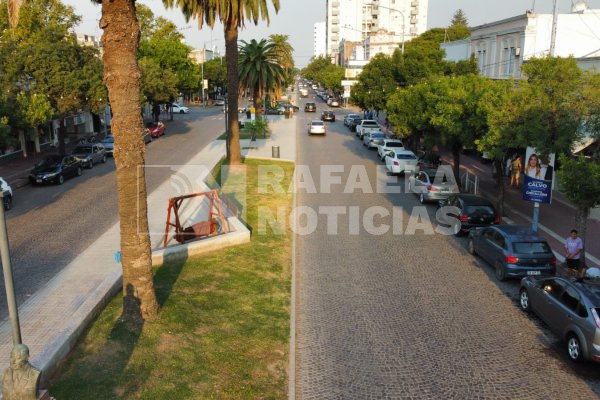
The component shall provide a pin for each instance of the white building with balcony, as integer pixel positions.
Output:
(503, 46)
(319, 40)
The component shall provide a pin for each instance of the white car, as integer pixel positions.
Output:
(401, 161)
(373, 139)
(367, 125)
(387, 145)
(219, 102)
(177, 108)
(348, 118)
(335, 103)
(316, 127)
(8, 194)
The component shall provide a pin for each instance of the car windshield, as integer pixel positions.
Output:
(406, 156)
(377, 135)
(109, 139)
(317, 123)
(370, 123)
(479, 210)
(393, 144)
(50, 161)
(531, 247)
(353, 116)
(82, 149)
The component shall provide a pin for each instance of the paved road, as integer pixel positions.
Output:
(409, 316)
(50, 225)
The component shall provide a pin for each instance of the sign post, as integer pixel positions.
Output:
(538, 181)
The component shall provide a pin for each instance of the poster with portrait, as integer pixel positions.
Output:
(538, 176)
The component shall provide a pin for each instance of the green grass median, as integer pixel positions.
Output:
(222, 332)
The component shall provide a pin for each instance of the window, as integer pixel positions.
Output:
(509, 60)
(570, 299)
(552, 288)
(499, 240)
(531, 247)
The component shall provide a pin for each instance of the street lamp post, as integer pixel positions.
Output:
(11, 299)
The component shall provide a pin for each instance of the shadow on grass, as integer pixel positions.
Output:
(165, 279)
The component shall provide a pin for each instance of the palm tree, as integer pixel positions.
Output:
(233, 14)
(259, 70)
(284, 53)
(122, 78)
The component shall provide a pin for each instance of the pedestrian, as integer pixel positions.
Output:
(573, 248)
(516, 167)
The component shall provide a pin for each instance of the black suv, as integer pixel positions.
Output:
(473, 211)
(328, 116)
(310, 107)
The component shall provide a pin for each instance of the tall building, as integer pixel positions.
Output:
(353, 20)
(320, 43)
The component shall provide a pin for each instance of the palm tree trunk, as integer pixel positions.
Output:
(122, 78)
(257, 99)
(231, 56)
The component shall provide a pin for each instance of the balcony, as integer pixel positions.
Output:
(414, 11)
(414, 3)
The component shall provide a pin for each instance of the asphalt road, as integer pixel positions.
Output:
(49, 226)
(383, 315)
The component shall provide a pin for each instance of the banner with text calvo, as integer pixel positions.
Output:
(538, 170)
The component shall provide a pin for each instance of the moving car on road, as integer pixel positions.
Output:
(178, 108)
(400, 161)
(570, 309)
(334, 103)
(473, 212)
(8, 194)
(310, 107)
(90, 154)
(431, 185)
(514, 251)
(109, 144)
(328, 116)
(54, 169)
(387, 145)
(316, 127)
(373, 139)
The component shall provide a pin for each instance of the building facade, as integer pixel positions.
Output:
(200, 56)
(354, 20)
(503, 46)
(319, 40)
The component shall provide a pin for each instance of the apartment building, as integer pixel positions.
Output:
(319, 40)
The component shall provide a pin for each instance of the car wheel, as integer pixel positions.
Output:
(181, 112)
(524, 300)
(574, 348)
(499, 269)
(60, 180)
(7, 202)
(472, 247)
(104, 159)
(91, 164)
(422, 198)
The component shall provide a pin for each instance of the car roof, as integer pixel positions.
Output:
(519, 233)
(317, 121)
(388, 140)
(369, 120)
(473, 200)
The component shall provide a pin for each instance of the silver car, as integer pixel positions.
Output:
(570, 308)
(348, 118)
(90, 154)
(432, 185)
(316, 127)
(373, 139)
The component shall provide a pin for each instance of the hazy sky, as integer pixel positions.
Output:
(296, 19)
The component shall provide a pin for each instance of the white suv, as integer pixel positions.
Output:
(8, 194)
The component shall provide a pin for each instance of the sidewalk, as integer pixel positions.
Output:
(556, 219)
(283, 135)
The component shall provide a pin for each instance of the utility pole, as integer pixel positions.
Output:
(554, 25)
(11, 300)
(202, 84)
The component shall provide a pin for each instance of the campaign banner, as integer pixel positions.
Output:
(538, 179)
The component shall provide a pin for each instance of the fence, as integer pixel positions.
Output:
(470, 183)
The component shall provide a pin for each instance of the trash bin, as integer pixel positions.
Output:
(275, 151)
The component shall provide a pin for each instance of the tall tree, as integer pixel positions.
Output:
(233, 14)
(284, 53)
(375, 84)
(259, 69)
(459, 18)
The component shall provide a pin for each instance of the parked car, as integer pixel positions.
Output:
(54, 169)
(316, 127)
(328, 116)
(354, 123)
(109, 144)
(387, 145)
(429, 160)
(367, 125)
(90, 154)
(400, 161)
(570, 309)
(147, 136)
(373, 139)
(156, 128)
(473, 212)
(219, 102)
(7, 193)
(178, 108)
(349, 117)
(431, 185)
(514, 251)
(274, 111)
(287, 104)
(310, 107)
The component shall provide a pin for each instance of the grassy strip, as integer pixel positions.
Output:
(222, 332)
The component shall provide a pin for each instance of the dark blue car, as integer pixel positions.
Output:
(514, 251)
